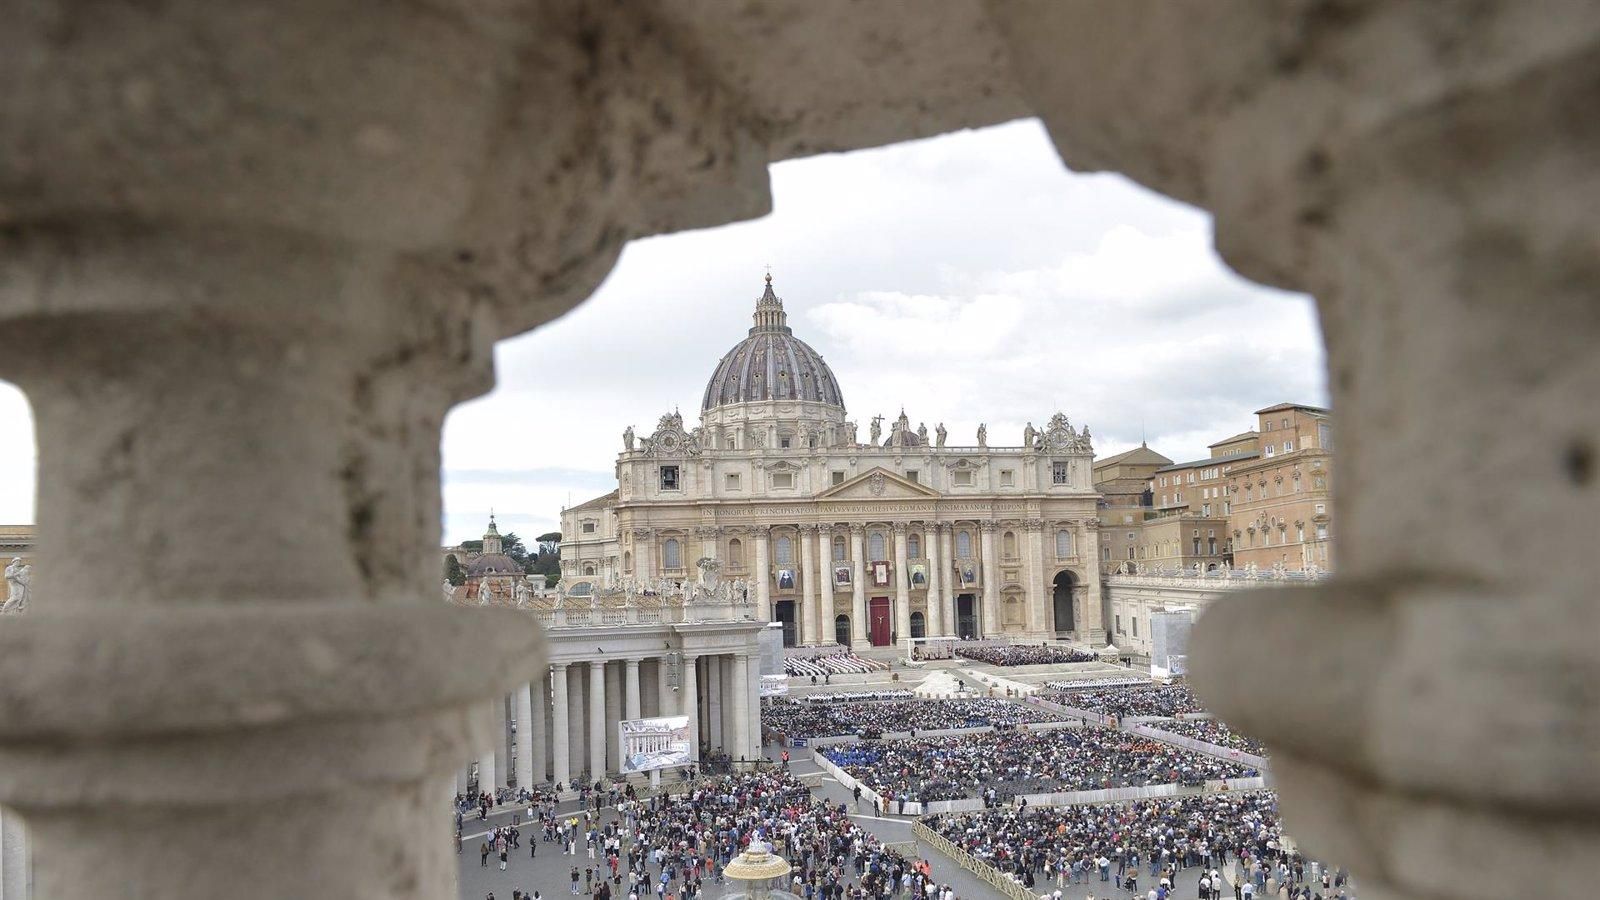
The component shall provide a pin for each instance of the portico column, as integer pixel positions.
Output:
(541, 728)
(487, 776)
(1093, 611)
(691, 704)
(630, 703)
(614, 701)
(932, 537)
(763, 572)
(597, 720)
(523, 766)
(858, 587)
(664, 706)
(560, 745)
(947, 580)
(1039, 616)
(16, 881)
(752, 709)
(902, 586)
(741, 701)
(811, 616)
(716, 705)
(824, 573)
(991, 582)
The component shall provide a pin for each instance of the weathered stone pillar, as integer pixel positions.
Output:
(810, 616)
(858, 587)
(932, 535)
(541, 727)
(740, 748)
(948, 580)
(763, 569)
(597, 720)
(522, 767)
(902, 586)
(560, 744)
(824, 576)
(691, 704)
(991, 582)
(16, 877)
(614, 702)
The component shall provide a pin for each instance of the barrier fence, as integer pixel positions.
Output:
(983, 871)
(1153, 731)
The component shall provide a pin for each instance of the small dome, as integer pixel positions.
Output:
(771, 364)
(493, 564)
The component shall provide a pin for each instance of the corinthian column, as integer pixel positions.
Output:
(811, 617)
(858, 587)
(902, 582)
(933, 539)
(991, 582)
(824, 575)
(763, 572)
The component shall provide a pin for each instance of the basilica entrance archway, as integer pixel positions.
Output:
(967, 616)
(841, 630)
(784, 611)
(919, 626)
(878, 622)
(1064, 620)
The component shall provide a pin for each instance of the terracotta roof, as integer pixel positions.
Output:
(1252, 433)
(1286, 406)
(1212, 460)
(601, 501)
(1144, 452)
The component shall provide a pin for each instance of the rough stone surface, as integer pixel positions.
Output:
(250, 255)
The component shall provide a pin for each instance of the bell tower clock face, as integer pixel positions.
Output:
(669, 442)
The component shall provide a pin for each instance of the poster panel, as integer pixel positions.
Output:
(649, 744)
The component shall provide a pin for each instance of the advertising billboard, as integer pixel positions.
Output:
(649, 744)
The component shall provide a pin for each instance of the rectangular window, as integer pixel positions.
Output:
(1105, 553)
(911, 475)
(838, 477)
(588, 528)
(1300, 534)
(1272, 450)
(1288, 446)
(1135, 621)
(1196, 546)
(1008, 478)
(961, 478)
(1321, 508)
(1058, 473)
(783, 479)
(1205, 509)
(669, 478)
(1119, 623)
(1324, 436)
(733, 481)
(1322, 531)
(1211, 546)
(784, 441)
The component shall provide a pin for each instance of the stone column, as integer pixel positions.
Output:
(597, 720)
(691, 704)
(858, 587)
(932, 538)
(16, 877)
(644, 554)
(991, 582)
(526, 736)
(824, 575)
(560, 745)
(630, 702)
(741, 706)
(716, 705)
(902, 587)
(488, 775)
(810, 615)
(1036, 591)
(578, 704)
(541, 728)
(753, 704)
(613, 715)
(947, 580)
(763, 572)
(502, 742)
(664, 705)
(1093, 629)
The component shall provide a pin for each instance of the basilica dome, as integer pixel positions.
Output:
(771, 364)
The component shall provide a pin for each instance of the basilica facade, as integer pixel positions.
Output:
(844, 540)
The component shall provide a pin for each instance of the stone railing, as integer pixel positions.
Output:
(1221, 579)
(587, 616)
(986, 873)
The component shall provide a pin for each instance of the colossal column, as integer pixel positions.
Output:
(597, 720)
(560, 746)
(991, 583)
(1094, 616)
(763, 571)
(488, 776)
(541, 728)
(613, 715)
(812, 616)
(527, 738)
(691, 704)
(858, 587)
(932, 537)
(824, 575)
(716, 703)
(902, 586)
(630, 706)
(753, 704)
(947, 579)
(741, 706)
(1033, 579)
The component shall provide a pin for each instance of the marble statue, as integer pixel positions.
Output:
(922, 433)
(524, 591)
(18, 577)
(877, 430)
(1028, 435)
(627, 438)
(939, 434)
(983, 435)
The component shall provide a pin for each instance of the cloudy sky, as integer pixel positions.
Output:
(968, 278)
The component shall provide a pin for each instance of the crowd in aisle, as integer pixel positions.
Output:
(1018, 655)
(781, 717)
(1212, 732)
(1002, 764)
(1143, 700)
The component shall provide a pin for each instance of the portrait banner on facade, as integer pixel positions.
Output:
(841, 575)
(919, 575)
(969, 573)
(650, 744)
(880, 574)
(785, 579)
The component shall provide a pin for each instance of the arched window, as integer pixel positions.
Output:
(914, 548)
(1009, 545)
(875, 546)
(964, 544)
(839, 552)
(588, 569)
(672, 554)
(1063, 544)
(785, 551)
(736, 552)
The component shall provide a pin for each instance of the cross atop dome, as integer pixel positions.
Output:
(770, 317)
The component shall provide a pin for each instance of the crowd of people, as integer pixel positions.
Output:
(1146, 843)
(1142, 700)
(1018, 655)
(1212, 732)
(827, 665)
(781, 717)
(999, 765)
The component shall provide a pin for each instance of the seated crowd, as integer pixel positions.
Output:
(1003, 764)
(781, 717)
(822, 666)
(1154, 839)
(1015, 655)
(1146, 700)
(1212, 732)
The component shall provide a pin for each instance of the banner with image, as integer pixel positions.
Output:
(919, 575)
(880, 574)
(785, 579)
(841, 576)
(649, 744)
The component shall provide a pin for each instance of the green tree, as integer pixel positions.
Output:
(453, 573)
(512, 546)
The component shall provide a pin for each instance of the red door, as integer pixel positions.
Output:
(878, 619)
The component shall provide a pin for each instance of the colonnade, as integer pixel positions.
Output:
(567, 723)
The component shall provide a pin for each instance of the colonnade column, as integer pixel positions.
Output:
(523, 764)
(811, 633)
(691, 705)
(947, 580)
(597, 720)
(741, 701)
(16, 882)
(630, 703)
(931, 539)
(502, 742)
(752, 712)
(541, 729)
(824, 574)
(1041, 618)
(486, 772)
(902, 586)
(991, 582)
(763, 571)
(858, 587)
(716, 705)
(560, 745)
(613, 715)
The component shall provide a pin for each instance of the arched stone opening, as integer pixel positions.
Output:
(841, 630)
(1061, 597)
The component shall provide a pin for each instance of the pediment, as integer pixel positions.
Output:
(878, 483)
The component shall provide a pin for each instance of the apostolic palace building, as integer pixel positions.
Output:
(840, 539)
